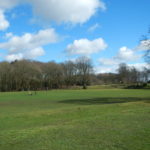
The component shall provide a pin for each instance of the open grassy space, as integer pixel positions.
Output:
(94, 119)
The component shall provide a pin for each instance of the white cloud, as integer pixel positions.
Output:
(39, 51)
(94, 27)
(123, 56)
(64, 11)
(139, 66)
(108, 61)
(86, 47)
(105, 69)
(127, 54)
(4, 6)
(68, 11)
(7, 4)
(144, 45)
(8, 35)
(12, 57)
(113, 68)
(4, 24)
(29, 45)
(30, 41)
(30, 54)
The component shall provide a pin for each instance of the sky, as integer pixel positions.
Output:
(106, 31)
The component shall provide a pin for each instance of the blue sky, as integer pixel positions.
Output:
(107, 31)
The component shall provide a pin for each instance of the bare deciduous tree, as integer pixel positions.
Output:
(84, 70)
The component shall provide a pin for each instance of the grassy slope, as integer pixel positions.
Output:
(75, 120)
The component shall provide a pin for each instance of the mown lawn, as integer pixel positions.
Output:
(113, 119)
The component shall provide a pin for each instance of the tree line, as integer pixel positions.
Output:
(124, 75)
(27, 75)
(34, 75)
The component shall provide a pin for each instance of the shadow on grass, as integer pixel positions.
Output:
(105, 100)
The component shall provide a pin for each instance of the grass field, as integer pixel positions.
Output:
(94, 119)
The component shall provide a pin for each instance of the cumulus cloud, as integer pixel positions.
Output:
(86, 47)
(7, 4)
(124, 55)
(127, 54)
(139, 66)
(107, 65)
(30, 41)
(4, 24)
(12, 57)
(144, 45)
(30, 54)
(108, 61)
(64, 11)
(114, 68)
(29, 45)
(4, 6)
(68, 11)
(36, 52)
(105, 69)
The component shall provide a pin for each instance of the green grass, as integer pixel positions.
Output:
(94, 119)
(107, 86)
